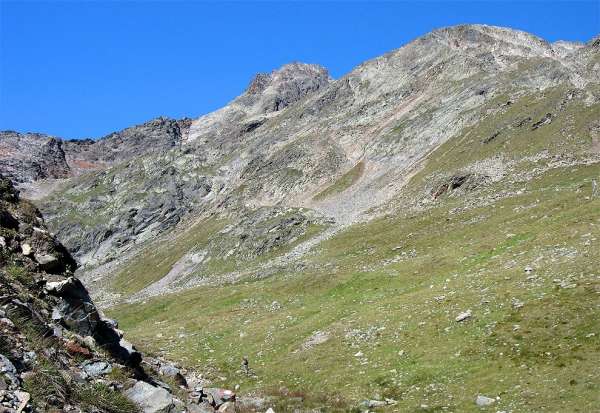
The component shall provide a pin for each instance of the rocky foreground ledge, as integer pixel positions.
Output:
(58, 353)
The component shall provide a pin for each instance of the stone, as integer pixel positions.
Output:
(76, 349)
(96, 368)
(23, 398)
(483, 401)
(150, 399)
(227, 407)
(374, 403)
(217, 397)
(463, 316)
(195, 397)
(46, 261)
(203, 407)
(516, 303)
(170, 370)
(26, 249)
(10, 372)
(69, 288)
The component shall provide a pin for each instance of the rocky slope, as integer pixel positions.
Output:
(57, 350)
(305, 182)
(295, 137)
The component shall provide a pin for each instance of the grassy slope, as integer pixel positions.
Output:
(343, 183)
(390, 290)
(158, 258)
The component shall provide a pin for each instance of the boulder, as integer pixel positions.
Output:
(463, 316)
(8, 370)
(76, 349)
(69, 288)
(96, 368)
(151, 399)
(46, 261)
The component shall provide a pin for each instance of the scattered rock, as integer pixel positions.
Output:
(463, 316)
(227, 407)
(546, 119)
(170, 370)
(483, 401)
(96, 368)
(23, 398)
(516, 303)
(76, 349)
(374, 403)
(217, 397)
(26, 249)
(319, 337)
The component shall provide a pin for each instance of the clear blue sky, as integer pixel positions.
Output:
(85, 69)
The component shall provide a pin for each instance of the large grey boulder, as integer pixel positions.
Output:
(151, 399)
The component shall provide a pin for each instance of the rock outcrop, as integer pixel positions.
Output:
(30, 157)
(57, 350)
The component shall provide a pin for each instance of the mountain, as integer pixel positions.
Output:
(334, 231)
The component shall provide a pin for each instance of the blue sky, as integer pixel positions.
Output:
(85, 69)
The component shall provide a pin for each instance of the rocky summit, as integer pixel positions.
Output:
(420, 234)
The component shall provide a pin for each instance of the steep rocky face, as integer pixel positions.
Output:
(272, 92)
(49, 323)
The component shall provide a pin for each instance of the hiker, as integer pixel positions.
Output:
(245, 365)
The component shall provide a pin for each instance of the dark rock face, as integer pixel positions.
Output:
(48, 324)
(157, 135)
(32, 156)
(29, 157)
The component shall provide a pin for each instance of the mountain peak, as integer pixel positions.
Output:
(270, 92)
(502, 40)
